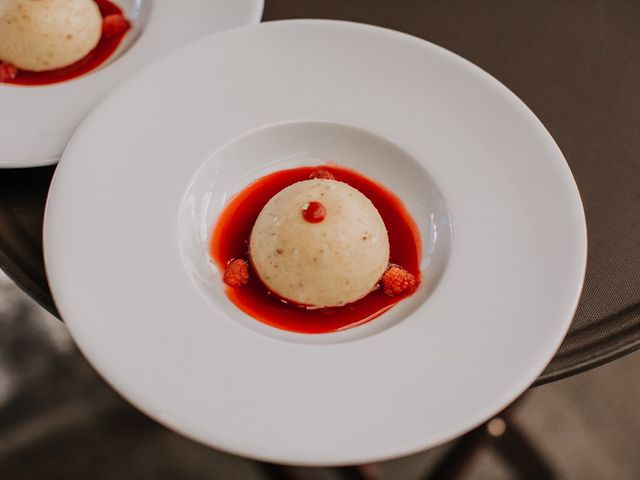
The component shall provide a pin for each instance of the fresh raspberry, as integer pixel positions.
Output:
(236, 273)
(7, 72)
(114, 25)
(397, 281)
(322, 174)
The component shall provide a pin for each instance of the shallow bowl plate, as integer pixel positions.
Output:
(140, 184)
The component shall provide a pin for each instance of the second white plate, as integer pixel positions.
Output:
(37, 122)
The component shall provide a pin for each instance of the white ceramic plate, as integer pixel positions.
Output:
(37, 122)
(145, 175)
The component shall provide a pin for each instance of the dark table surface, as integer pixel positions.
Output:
(576, 63)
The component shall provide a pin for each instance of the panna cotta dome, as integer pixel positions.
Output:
(325, 262)
(40, 35)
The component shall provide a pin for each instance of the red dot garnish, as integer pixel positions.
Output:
(314, 212)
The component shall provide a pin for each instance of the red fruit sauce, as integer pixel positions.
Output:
(230, 240)
(102, 51)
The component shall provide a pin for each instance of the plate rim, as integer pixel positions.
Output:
(515, 391)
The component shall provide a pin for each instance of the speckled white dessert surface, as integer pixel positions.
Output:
(325, 264)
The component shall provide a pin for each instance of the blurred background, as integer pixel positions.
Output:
(59, 420)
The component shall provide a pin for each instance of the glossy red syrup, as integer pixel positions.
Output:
(102, 51)
(230, 239)
(314, 212)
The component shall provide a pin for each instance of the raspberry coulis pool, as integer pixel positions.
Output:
(230, 240)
